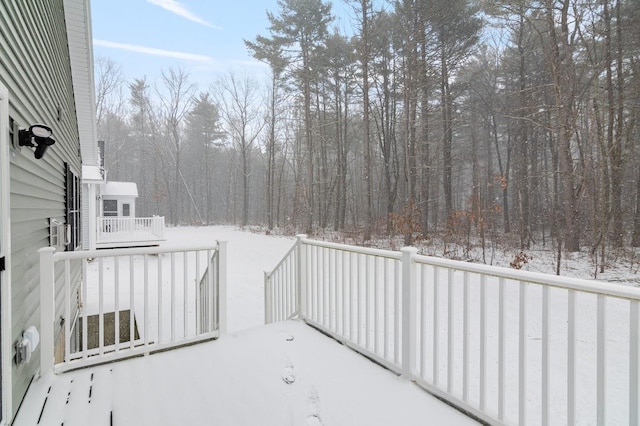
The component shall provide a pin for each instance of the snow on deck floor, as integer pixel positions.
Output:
(280, 374)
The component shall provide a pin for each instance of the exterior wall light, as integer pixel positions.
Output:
(37, 136)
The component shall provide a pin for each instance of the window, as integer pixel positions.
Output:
(72, 203)
(109, 207)
(126, 210)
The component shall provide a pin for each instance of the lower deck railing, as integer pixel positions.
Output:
(507, 346)
(112, 230)
(128, 302)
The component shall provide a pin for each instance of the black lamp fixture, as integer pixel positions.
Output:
(37, 136)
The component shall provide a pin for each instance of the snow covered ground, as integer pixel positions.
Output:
(249, 255)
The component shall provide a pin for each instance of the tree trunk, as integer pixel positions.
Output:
(522, 151)
(563, 73)
(245, 185)
(365, 106)
(447, 136)
(309, 144)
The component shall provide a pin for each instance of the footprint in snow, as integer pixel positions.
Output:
(313, 419)
(287, 374)
(288, 336)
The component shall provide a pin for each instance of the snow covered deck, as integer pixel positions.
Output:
(113, 232)
(511, 347)
(281, 374)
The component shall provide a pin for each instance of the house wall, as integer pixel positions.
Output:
(36, 70)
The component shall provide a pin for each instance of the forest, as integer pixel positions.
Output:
(459, 118)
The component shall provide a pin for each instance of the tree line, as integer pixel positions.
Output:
(453, 117)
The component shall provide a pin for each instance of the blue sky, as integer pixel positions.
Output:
(202, 36)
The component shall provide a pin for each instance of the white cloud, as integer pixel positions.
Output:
(155, 52)
(179, 9)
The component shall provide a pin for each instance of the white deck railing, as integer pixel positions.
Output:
(129, 229)
(129, 302)
(507, 346)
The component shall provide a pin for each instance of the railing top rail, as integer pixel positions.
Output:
(284, 258)
(84, 254)
(568, 283)
(354, 249)
(129, 217)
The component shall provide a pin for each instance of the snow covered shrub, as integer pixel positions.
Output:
(520, 260)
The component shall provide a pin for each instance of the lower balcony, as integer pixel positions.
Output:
(114, 232)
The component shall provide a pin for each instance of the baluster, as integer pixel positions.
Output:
(436, 328)
(146, 299)
(501, 348)
(67, 310)
(465, 341)
(100, 306)
(423, 321)
(132, 308)
(358, 325)
(343, 287)
(602, 360)
(316, 261)
(386, 308)
(85, 307)
(173, 297)
(335, 291)
(634, 350)
(160, 301)
(376, 302)
(450, 300)
(571, 359)
(483, 342)
(116, 301)
(522, 355)
(545, 356)
(198, 295)
(185, 290)
(396, 311)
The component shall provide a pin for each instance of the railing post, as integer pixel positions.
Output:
(161, 236)
(47, 294)
(222, 287)
(408, 312)
(301, 273)
(267, 299)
